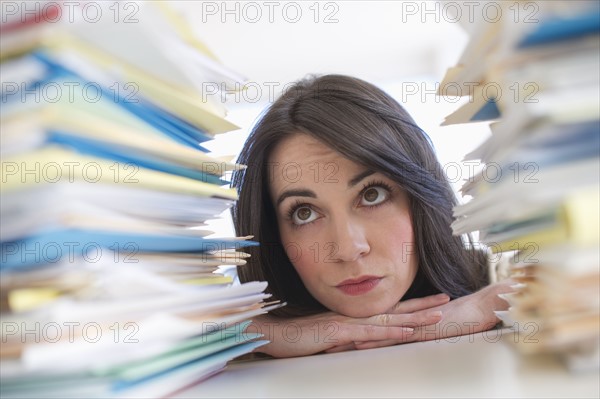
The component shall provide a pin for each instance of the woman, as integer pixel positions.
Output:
(353, 212)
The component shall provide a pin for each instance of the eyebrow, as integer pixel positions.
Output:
(356, 179)
(295, 193)
(310, 194)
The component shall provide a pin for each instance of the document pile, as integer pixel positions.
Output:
(109, 276)
(537, 196)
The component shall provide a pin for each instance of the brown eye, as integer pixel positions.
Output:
(304, 215)
(374, 196)
(371, 195)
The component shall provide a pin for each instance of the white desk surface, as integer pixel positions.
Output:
(460, 367)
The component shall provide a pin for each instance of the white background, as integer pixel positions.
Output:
(402, 47)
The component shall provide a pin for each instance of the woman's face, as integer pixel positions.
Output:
(346, 229)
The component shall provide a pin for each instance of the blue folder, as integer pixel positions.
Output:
(104, 150)
(172, 126)
(563, 28)
(51, 246)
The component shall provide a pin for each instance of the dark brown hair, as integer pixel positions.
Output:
(367, 126)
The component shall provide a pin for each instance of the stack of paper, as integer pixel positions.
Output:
(109, 276)
(537, 196)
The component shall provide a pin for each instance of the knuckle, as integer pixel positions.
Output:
(397, 307)
(370, 331)
(412, 324)
(385, 319)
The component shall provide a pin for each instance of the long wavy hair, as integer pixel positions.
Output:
(369, 127)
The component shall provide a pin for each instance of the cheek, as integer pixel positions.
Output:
(394, 240)
(409, 259)
(394, 230)
(402, 236)
(307, 256)
(301, 254)
(294, 252)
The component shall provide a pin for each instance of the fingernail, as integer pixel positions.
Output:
(435, 313)
(443, 296)
(408, 330)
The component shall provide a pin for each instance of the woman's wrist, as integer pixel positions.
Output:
(467, 315)
(262, 324)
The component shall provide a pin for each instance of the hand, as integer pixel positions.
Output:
(466, 315)
(332, 332)
(475, 313)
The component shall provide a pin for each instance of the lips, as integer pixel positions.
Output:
(358, 286)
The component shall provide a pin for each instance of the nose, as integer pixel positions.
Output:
(349, 241)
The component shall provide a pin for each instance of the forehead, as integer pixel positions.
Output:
(301, 160)
(305, 150)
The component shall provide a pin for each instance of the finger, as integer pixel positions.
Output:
(341, 348)
(411, 320)
(350, 332)
(376, 344)
(416, 304)
(385, 342)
